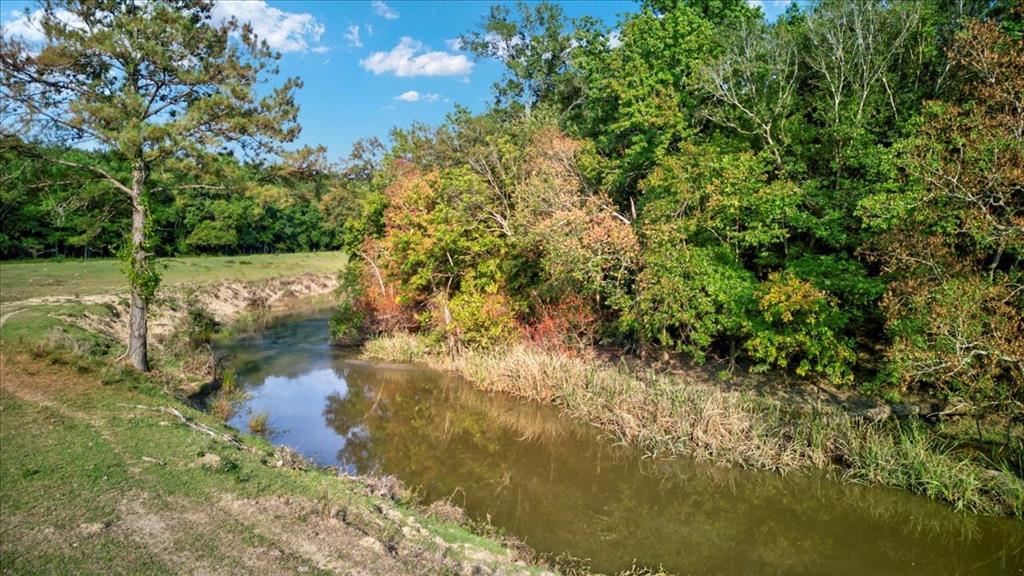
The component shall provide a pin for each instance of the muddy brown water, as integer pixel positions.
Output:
(564, 489)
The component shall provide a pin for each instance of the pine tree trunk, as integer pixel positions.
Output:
(137, 346)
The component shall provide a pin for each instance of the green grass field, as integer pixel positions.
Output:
(23, 280)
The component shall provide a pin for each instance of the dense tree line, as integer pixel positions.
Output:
(838, 194)
(50, 209)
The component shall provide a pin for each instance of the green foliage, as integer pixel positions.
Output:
(143, 273)
(856, 291)
(201, 328)
(532, 40)
(349, 322)
(715, 184)
(52, 209)
(963, 336)
(690, 298)
(800, 327)
(482, 319)
(635, 106)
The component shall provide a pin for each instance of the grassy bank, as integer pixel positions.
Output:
(103, 472)
(22, 280)
(107, 471)
(669, 415)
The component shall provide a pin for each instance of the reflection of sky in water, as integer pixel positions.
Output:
(294, 406)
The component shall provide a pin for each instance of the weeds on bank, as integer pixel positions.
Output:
(398, 347)
(258, 424)
(668, 416)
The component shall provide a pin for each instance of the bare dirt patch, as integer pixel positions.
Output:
(315, 535)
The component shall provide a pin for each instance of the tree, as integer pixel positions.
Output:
(852, 45)
(752, 84)
(533, 44)
(952, 238)
(636, 106)
(157, 85)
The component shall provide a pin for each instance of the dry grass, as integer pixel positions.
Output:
(398, 347)
(670, 416)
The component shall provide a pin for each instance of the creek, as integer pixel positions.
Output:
(565, 489)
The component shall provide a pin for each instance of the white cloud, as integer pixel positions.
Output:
(283, 31)
(414, 96)
(384, 11)
(352, 35)
(404, 60)
(29, 27)
(500, 47)
(454, 43)
(369, 28)
(615, 39)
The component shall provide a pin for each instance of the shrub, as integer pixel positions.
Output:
(353, 318)
(397, 347)
(800, 327)
(689, 298)
(571, 323)
(222, 407)
(481, 320)
(962, 336)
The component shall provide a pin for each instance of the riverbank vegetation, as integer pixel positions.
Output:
(667, 415)
(832, 200)
(768, 194)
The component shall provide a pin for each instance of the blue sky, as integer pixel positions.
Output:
(370, 65)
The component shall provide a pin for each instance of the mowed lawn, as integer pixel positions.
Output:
(23, 280)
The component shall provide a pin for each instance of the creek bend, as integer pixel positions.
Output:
(564, 489)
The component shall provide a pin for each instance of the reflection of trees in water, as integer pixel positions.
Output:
(285, 349)
(551, 481)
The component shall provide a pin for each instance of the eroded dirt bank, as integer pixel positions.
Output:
(225, 300)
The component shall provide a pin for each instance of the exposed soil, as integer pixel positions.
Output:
(225, 301)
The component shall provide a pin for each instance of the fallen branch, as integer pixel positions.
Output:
(192, 424)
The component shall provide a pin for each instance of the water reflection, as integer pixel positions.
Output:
(563, 489)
